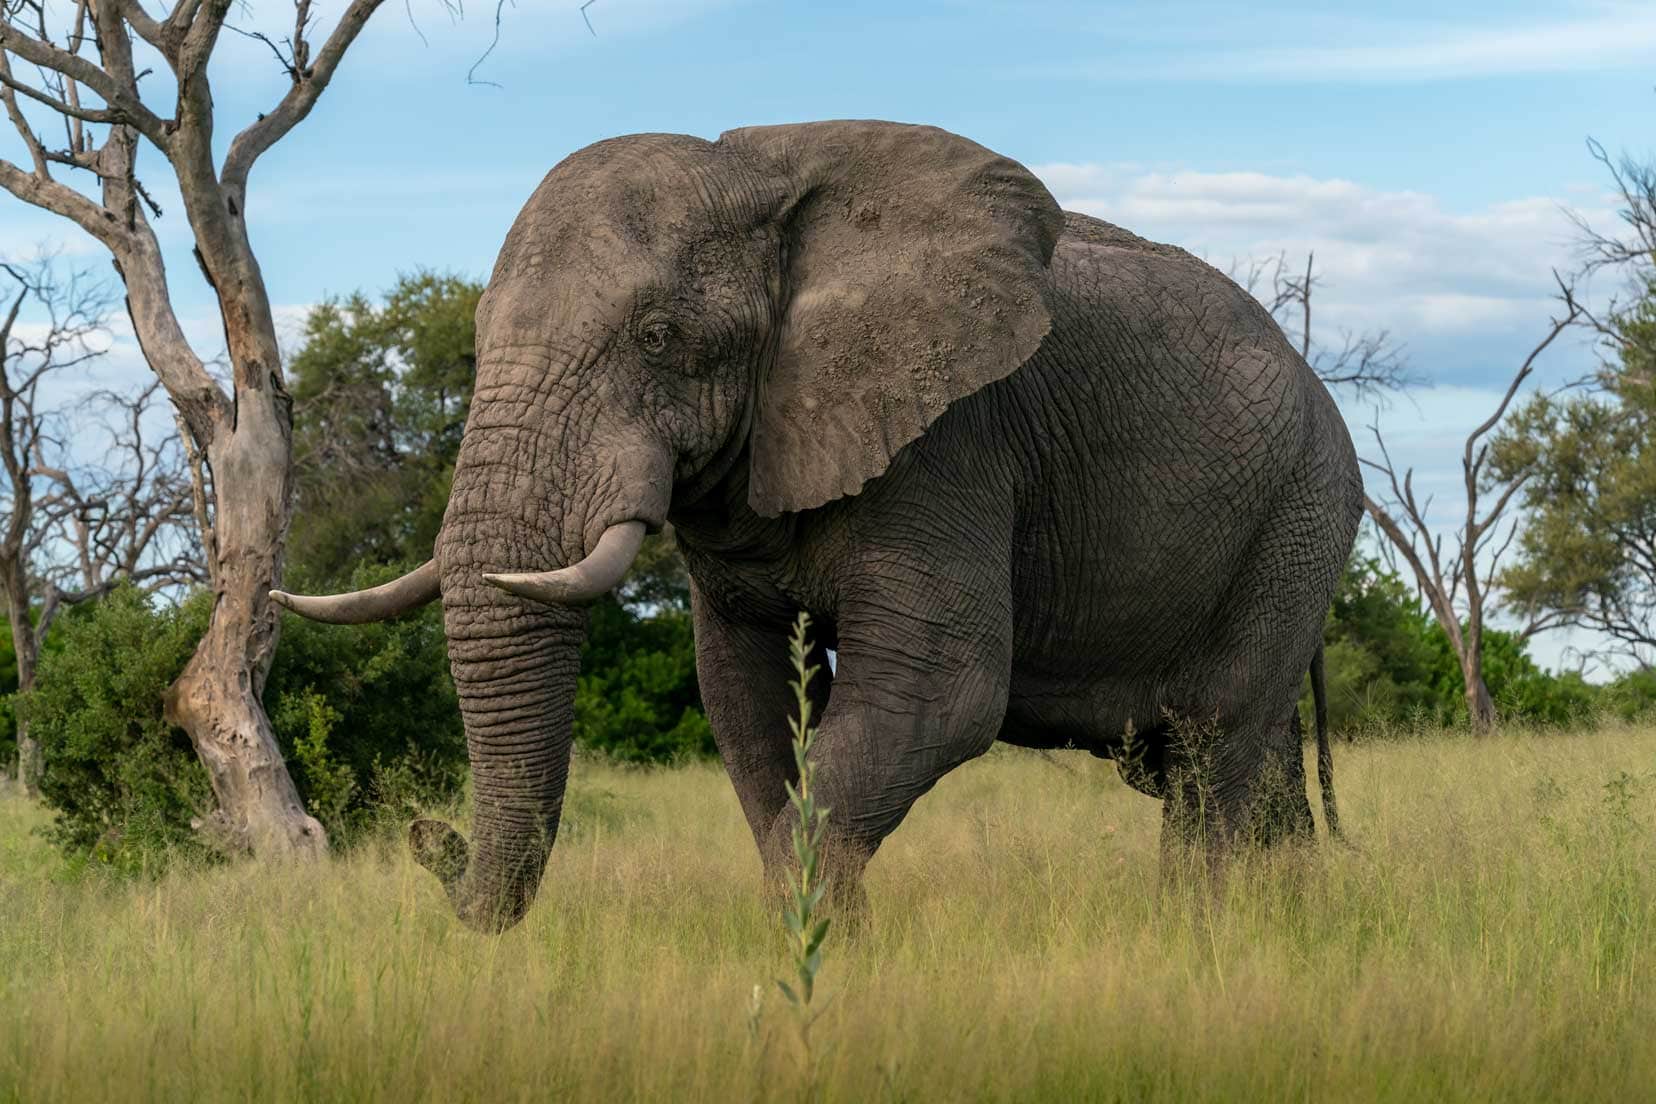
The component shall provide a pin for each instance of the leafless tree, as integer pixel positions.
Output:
(1634, 250)
(74, 526)
(1366, 365)
(86, 79)
(127, 514)
(1591, 557)
(1631, 253)
(71, 318)
(1458, 581)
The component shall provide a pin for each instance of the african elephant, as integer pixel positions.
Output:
(1033, 477)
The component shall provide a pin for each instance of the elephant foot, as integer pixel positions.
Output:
(845, 900)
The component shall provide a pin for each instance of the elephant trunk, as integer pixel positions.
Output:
(548, 505)
(515, 665)
(517, 696)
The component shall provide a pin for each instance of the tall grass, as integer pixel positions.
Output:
(1491, 936)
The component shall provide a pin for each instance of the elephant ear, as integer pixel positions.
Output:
(913, 263)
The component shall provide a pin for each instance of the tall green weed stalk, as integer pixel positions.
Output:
(801, 915)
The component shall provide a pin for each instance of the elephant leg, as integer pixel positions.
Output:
(746, 688)
(1235, 745)
(925, 659)
(1235, 778)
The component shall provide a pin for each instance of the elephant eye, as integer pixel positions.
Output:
(655, 337)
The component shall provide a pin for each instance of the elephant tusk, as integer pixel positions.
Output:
(604, 567)
(375, 604)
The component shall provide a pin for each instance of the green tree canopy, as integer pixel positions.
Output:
(1388, 662)
(380, 396)
(1588, 553)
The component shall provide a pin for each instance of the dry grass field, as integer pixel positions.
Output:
(1491, 937)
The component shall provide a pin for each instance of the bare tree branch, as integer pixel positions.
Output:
(310, 81)
(1455, 589)
(1635, 183)
(8, 97)
(124, 105)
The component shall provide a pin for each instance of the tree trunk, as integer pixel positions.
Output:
(217, 697)
(28, 758)
(1480, 707)
(215, 701)
(29, 762)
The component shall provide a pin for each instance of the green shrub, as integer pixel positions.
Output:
(122, 782)
(1631, 697)
(367, 714)
(1521, 690)
(1389, 665)
(637, 698)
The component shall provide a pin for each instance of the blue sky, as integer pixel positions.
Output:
(1423, 150)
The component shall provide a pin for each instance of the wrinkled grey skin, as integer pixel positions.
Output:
(1033, 477)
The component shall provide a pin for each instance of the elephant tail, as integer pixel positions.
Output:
(1325, 754)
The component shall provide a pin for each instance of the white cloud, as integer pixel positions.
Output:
(1597, 42)
(1456, 312)
(28, 234)
(1388, 259)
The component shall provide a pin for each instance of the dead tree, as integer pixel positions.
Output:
(77, 523)
(128, 515)
(87, 80)
(70, 316)
(1458, 584)
(1632, 253)
(1635, 251)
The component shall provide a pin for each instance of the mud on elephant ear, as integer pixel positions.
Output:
(914, 274)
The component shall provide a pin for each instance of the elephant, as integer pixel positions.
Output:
(1034, 478)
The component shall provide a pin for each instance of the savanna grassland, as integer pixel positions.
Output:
(1492, 937)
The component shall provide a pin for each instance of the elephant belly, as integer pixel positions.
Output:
(1109, 609)
(1093, 723)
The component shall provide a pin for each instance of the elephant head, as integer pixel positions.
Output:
(788, 305)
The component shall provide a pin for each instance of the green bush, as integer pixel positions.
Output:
(1631, 697)
(1389, 664)
(637, 699)
(122, 782)
(1521, 690)
(366, 716)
